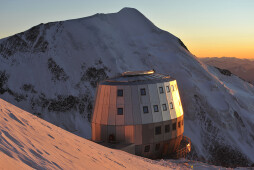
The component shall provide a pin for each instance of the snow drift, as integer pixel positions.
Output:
(51, 70)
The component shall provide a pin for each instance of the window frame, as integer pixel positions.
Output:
(179, 124)
(168, 89)
(171, 105)
(143, 90)
(118, 90)
(174, 126)
(157, 130)
(147, 148)
(144, 110)
(164, 107)
(172, 88)
(167, 128)
(155, 106)
(119, 108)
(161, 90)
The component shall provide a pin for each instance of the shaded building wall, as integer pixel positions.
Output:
(143, 134)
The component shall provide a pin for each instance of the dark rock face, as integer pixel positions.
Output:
(58, 73)
(28, 88)
(224, 72)
(32, 34)
(3, 81)
(239, 119)
(30, 41)
(94, 75)
(182, 44)
(12, 45)
(62, 103)
(226, 156)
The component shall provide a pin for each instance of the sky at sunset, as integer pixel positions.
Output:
(209, 28)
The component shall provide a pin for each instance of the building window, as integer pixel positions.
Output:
(157, 147)
(164, 107)
(182, 122)
(155, 108)
(145, 109)
(143, 92)
(168, 89)
(167, 128)
(171, 105)
(179, 124)
(147, 148)
(161, 90)
(172, 87)
(157, 130)
(119, 92)
(174, 126)
(119, 111)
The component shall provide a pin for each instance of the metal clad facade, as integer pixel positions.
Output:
(175, 96)
(178, 101)
(112, 106)
(120, 133)
(96, 104)
(154, 99)
(104, 134)
(111, 130)
(169, 99)
(100, 105)
(129, 134)
(128, 117)
(135, 105)
(121, 118)
(158, 137)
(120, 104)
(138, 134)
(167, 135)
(166, 114)
(145, 101)
(105, 106)
(148, 133)
(172, 90)
(163, 100)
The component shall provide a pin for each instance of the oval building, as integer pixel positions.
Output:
(141, 110)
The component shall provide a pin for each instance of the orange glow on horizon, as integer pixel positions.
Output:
(220, 44)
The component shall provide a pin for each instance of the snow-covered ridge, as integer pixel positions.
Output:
(243, 68)
(51, 70)
(27, 142)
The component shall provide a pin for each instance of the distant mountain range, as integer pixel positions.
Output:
(51, 70)
(243, 68)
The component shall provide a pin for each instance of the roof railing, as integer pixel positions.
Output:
(138, 73)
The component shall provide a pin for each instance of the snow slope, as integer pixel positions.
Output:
(243, 68)
(28, 142)
(51, 70)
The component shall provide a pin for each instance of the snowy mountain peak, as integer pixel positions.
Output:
(129, 10)
(51, 70)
